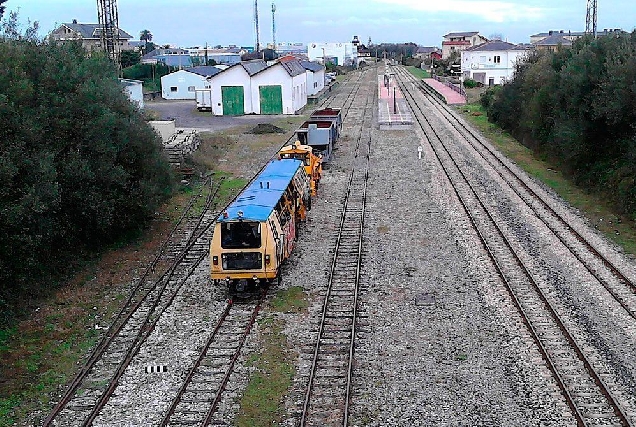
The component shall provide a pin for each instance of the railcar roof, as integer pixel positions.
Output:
(257, 201)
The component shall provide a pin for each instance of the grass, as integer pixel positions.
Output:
(418, 72)
(261, 404)
(619, 229)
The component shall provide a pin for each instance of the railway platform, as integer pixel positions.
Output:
(451, 96)
(393, 110)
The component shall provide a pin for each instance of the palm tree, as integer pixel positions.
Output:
(146, 36)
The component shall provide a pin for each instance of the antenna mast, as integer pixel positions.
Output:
(590, 18)
(258, 45)
(274, 25)
(109, 29)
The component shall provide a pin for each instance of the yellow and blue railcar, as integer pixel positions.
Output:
(256, 232)
(312, 162)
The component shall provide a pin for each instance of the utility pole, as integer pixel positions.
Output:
(590, 18)
(274, 25)
(109, 29)
(258, 45)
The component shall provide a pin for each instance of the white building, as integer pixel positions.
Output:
(253, 87)
(491, 63)
(315, 77)
(340, 53)
(183, 84)
(280, 88)
(134, 90)
(232, 88)
(458, 42)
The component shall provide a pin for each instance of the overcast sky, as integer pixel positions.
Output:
(188, 23)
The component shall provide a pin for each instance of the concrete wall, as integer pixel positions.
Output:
(165, 128)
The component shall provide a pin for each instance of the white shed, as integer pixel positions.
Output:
(280, 88)
(232, 88)
(183, 84)
(491, 63)
(315, 73)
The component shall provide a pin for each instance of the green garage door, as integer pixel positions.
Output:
(233, 100)
(271, 99)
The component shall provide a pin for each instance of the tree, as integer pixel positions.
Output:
(80, 166)
(10, 28)
(145, 36)
(2, 7)
(129, 58)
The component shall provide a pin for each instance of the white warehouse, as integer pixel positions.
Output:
(183, 84)
(341, 53)
(315, 77)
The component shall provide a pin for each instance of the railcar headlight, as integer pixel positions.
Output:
(267, 259)
(215, 260)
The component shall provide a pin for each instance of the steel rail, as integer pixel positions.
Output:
(616, 406)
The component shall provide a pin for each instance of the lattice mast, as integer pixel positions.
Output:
(109, 28)
(274, 25)
(258, 44)
(590, 18)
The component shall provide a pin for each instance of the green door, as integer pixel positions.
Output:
(233, 100)
(271, 99)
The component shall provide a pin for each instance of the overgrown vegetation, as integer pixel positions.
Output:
(577, 107)
(274, 366)
(149, 74)
(595, 206)
(80, 167)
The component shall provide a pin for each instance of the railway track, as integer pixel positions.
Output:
(610, 276)
(328, 392)
(584, 382)
(198, 398)
(182, 251)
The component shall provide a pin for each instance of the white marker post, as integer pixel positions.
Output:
(419, 152)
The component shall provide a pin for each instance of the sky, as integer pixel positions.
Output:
(189, 23)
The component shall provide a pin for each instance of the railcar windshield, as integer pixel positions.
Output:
(240, 235)
(300, 156)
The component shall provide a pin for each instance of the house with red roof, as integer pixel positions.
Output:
(458, 42)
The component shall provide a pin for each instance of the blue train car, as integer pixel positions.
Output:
(256, 232)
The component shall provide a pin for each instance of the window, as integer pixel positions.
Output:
(497, 59)
(173, 89)
(191, 88)
(241, 234)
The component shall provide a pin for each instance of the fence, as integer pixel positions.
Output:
(459, 89)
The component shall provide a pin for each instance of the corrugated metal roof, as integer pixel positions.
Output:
(312, 66)
(253, 67)
(257, 203)
(92, 31)
(293, 67)
(204, 70)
